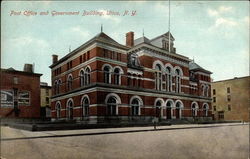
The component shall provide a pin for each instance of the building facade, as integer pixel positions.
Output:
(104, 81)
(20, 97)
(231, 99)
(45, 92)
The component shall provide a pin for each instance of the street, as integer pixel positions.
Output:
(217, 141)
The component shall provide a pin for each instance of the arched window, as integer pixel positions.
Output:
(203, 89)
(87, 76)
(168, 79)
(85, 106)
(70, 82)
(158, 77)
(70, 109)
(194, 108)
(205, 109)
(135, 106)
(58, 110)
(207, 91)
(117, 76)
(81, 78)
(177, 81)
(111, 106)
(107, 74)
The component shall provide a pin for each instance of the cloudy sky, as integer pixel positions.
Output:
(215, 34)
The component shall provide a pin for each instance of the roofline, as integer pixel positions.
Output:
(89, 42)
(235, 78)
(20, 72)
(162, 50)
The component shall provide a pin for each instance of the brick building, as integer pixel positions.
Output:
(20, 95)
(45, 92)
(103, 81)
(231, 99)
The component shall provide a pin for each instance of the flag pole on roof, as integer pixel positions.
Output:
(101, 28)
(169, 26)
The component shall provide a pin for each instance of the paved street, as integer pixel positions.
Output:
(221, 141)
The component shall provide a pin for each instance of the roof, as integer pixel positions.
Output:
(101, 37)
(195, 67)
(12, 70)
(235, 78)
(141, 40)
(164, 35)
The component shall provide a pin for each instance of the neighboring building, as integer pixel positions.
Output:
(45, 100)
(20, 95)
(103, 81)
(231, 99)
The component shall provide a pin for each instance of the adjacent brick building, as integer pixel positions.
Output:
(103, 81)
(231, 99)
(20, 95)
(45, 92)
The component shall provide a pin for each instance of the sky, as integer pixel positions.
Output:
(214, 34)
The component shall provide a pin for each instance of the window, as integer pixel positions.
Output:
(169, 79)
(228, 98)
(81, 78)
(221, 115)
(15, 80)
(214, 91)
(85, 106)
(205, 109)
(194, 109)
(229, 107)
(88, 55)
(70, 109)
(158, 77)
(214, 108)
(214, 99)
(58, 110)
(47, 92)
(107, 74)
(228, 89)
(117, 76)
(87, 76)
(70, 82)
(178, 81)
(81, 59)
(111, 106)
(69, 65)
(135, 107)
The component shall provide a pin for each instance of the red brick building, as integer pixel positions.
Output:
(20, 93)
(103, 81)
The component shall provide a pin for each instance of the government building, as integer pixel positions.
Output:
(103, 81)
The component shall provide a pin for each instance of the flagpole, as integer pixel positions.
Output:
(169, 26)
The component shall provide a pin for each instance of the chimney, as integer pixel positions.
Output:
(54, 58)
(28, 68)
(130, 39)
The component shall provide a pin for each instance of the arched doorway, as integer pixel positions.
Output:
(169, 106)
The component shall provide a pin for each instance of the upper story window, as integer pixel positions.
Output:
(158, 77)
(214, 92)
(177, 81)
(69, 65)
(107, 74)
(70, 82)
(228, 90)
(15, 80)
(117, 76)
(81, 74)
(87, 76)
